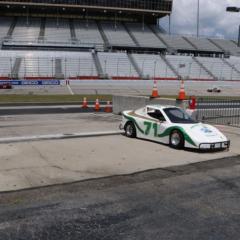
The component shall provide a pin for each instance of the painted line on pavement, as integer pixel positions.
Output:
(70, 90)
(58, 136)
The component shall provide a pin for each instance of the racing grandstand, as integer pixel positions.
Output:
(118, 39)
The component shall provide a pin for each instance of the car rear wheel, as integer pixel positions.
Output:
(130, 130)
(176, 139)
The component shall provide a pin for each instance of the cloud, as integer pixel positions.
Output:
(214, 20)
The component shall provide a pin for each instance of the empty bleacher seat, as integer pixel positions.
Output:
(187, 67)
(227, 46)
(26, 29)
(234, 61)
(153, 66)
(144, 36)
(203, 44)
(117, 35)
(117, 64)
(57, 30)
(219, 68)
(79, 65)
(5, 23)
(176, 42)
(37, 67)
(6, 65)
(87, 32)
(42, 64)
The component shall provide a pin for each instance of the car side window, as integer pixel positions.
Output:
(157, 114)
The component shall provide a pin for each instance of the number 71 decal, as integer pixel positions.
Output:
(150, 126)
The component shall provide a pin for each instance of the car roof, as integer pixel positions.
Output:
(158, 106)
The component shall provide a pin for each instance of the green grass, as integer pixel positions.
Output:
(13, 98)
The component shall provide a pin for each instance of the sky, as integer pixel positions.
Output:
(214, 20)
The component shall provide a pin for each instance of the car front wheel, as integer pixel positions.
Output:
(176, 139)
(130, 130)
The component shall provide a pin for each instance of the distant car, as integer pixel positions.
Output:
(5, 85)
(173, 126)
(214, 90)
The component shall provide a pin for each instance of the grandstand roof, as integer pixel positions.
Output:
(145, 6)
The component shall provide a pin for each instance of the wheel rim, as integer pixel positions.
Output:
(175, 139)
(129, 130)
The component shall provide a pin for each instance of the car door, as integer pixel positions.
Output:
(154, 126)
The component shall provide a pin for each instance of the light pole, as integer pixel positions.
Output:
(143, 65)
(169, 24)
(105, 66)
(117, 66)
(65, 70)
(155, 63)
(198, 15)
(79, 64)
(236, 10)
(189, 69)
(11, 68)
(143, 22)
(232, 72)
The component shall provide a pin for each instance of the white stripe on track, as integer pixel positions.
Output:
(58, 136)
(70, 90)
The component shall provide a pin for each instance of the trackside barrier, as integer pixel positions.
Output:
(125, 102)
(32, 82)
(219, 111)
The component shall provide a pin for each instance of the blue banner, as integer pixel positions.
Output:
(32, 82)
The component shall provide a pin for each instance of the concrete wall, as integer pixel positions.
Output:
(121, 103)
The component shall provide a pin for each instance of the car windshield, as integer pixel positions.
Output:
(177, 115)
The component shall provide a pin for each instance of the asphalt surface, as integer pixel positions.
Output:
(40, 150)
(61, 109)
(130, 87)
(196, 201)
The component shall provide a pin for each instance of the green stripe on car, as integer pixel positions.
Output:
(165, 133)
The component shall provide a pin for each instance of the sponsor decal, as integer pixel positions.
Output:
(32, 82)
(205, 130)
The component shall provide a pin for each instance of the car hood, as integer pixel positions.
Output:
(203, 133)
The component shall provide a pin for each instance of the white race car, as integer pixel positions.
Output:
(171, 125)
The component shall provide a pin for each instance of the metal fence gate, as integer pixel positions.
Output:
(219, 111)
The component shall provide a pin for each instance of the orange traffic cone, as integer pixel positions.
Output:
(182, 94)
(85, 104)
(155, 90)
(97, 105)
(108, 107)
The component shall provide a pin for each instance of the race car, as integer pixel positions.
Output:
(171, 125)
(5, 86)
(214, 90)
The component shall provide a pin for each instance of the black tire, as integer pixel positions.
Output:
(176, 139)
(130, 130)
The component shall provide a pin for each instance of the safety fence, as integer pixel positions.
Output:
(224, 111)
